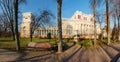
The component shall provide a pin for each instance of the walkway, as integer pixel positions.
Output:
(100, 54)
(74, 54)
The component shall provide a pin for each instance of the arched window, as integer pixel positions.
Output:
(69, 30)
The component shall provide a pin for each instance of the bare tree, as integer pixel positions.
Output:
(108, 22)
(40, 20)
(16, 25)
(10, 9)
(7, 8)
(59, 26)
(118, 18)
(113, 8)
(94, 4)
(100, 19)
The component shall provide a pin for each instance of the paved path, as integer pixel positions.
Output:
(36, 56)
(101, 54)
(74, 54)
(6, 55)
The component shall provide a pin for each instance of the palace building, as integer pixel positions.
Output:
(81, 23)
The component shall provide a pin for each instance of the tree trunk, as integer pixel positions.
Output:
(13, 34)
(118, 28)
(108, 22)
(16, 25)
(101, 33)
(94, 22)
(31, 37)
(59, 26)
(114, 36)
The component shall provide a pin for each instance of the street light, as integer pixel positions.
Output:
(76, 38)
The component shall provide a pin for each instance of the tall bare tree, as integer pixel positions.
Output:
(118, 18)
(108, 22)
(94, 4)
(16, 6)
(113, 12)
(7, 7)
(40, 20)
(16, 25)
(59, 26)
(8, 12)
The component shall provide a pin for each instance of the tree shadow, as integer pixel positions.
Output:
(114, 48)
(6, 40)
(68, 58)
(23, 56)
(66, 46)
(115, 58)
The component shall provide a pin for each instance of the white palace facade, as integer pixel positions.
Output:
(80, 22)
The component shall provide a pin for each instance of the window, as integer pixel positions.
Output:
(85, 18)
(75, 17)
(69, 30)
(91, 19)
(79, 16)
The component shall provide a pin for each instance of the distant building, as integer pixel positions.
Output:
(80, 22)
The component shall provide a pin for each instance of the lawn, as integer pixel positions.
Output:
(8, 43)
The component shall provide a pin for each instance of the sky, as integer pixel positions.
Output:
(68, 7)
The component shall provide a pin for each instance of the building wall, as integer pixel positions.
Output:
(79, 23)
(83, 23)
(25, 26)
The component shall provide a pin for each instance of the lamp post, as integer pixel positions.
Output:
(76, 38)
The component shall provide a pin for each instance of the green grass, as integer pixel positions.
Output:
(8, 43)
(86, 43)
(104, 41)
(69, 40)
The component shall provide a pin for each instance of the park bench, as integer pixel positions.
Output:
(39, 46)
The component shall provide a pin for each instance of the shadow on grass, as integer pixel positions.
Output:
(6, 40)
